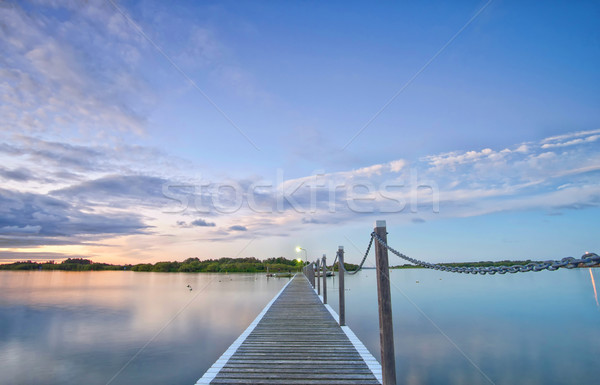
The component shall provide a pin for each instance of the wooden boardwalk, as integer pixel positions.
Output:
(295, 340)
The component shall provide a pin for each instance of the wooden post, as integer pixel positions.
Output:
(324, 279)
(386, 327)
(311, 266)
(318, 278)
(341, 286)
(307, 273)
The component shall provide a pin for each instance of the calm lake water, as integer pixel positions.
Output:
(527, 328)
(84, 327)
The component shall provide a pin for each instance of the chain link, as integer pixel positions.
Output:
(361, 262)
(334, 261)
(587, 260)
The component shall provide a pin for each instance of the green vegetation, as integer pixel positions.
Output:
(221, 265)
(405, 266)
(70, 264)
(190, 265)
(347, 266)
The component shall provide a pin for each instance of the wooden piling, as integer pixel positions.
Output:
(324, 262)
(318, 277)
(341, 285)
(386, 328)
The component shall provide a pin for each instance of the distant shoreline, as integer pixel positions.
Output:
(190, 265)
(222, 265)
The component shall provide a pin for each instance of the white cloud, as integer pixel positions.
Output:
(522, 149)
(570, 135)
(397, 165)
(51, 85)
(375, 169)
(472, 182)
(589, 139)
(571, 139)
(453, 159)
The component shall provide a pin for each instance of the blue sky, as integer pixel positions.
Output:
(144, 130)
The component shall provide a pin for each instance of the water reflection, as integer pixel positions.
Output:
(82, 327)
(594, 286)
(71, 327)
(534, 328)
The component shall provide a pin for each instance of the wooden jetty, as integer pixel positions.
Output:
(295, 340)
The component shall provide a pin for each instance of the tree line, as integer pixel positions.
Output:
(221, 265)
(190, 265)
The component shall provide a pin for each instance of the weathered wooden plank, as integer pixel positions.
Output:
(296, 341)
(329, 381)
(297, 367)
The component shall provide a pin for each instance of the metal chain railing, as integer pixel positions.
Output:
(363, 260)
(384, 296)
(587, 260)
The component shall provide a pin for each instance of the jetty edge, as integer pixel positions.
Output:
(295, 340)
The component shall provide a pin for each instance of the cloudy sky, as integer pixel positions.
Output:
(137, 131)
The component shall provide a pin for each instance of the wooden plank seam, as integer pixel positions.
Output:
(365, 354)
(212, 372)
